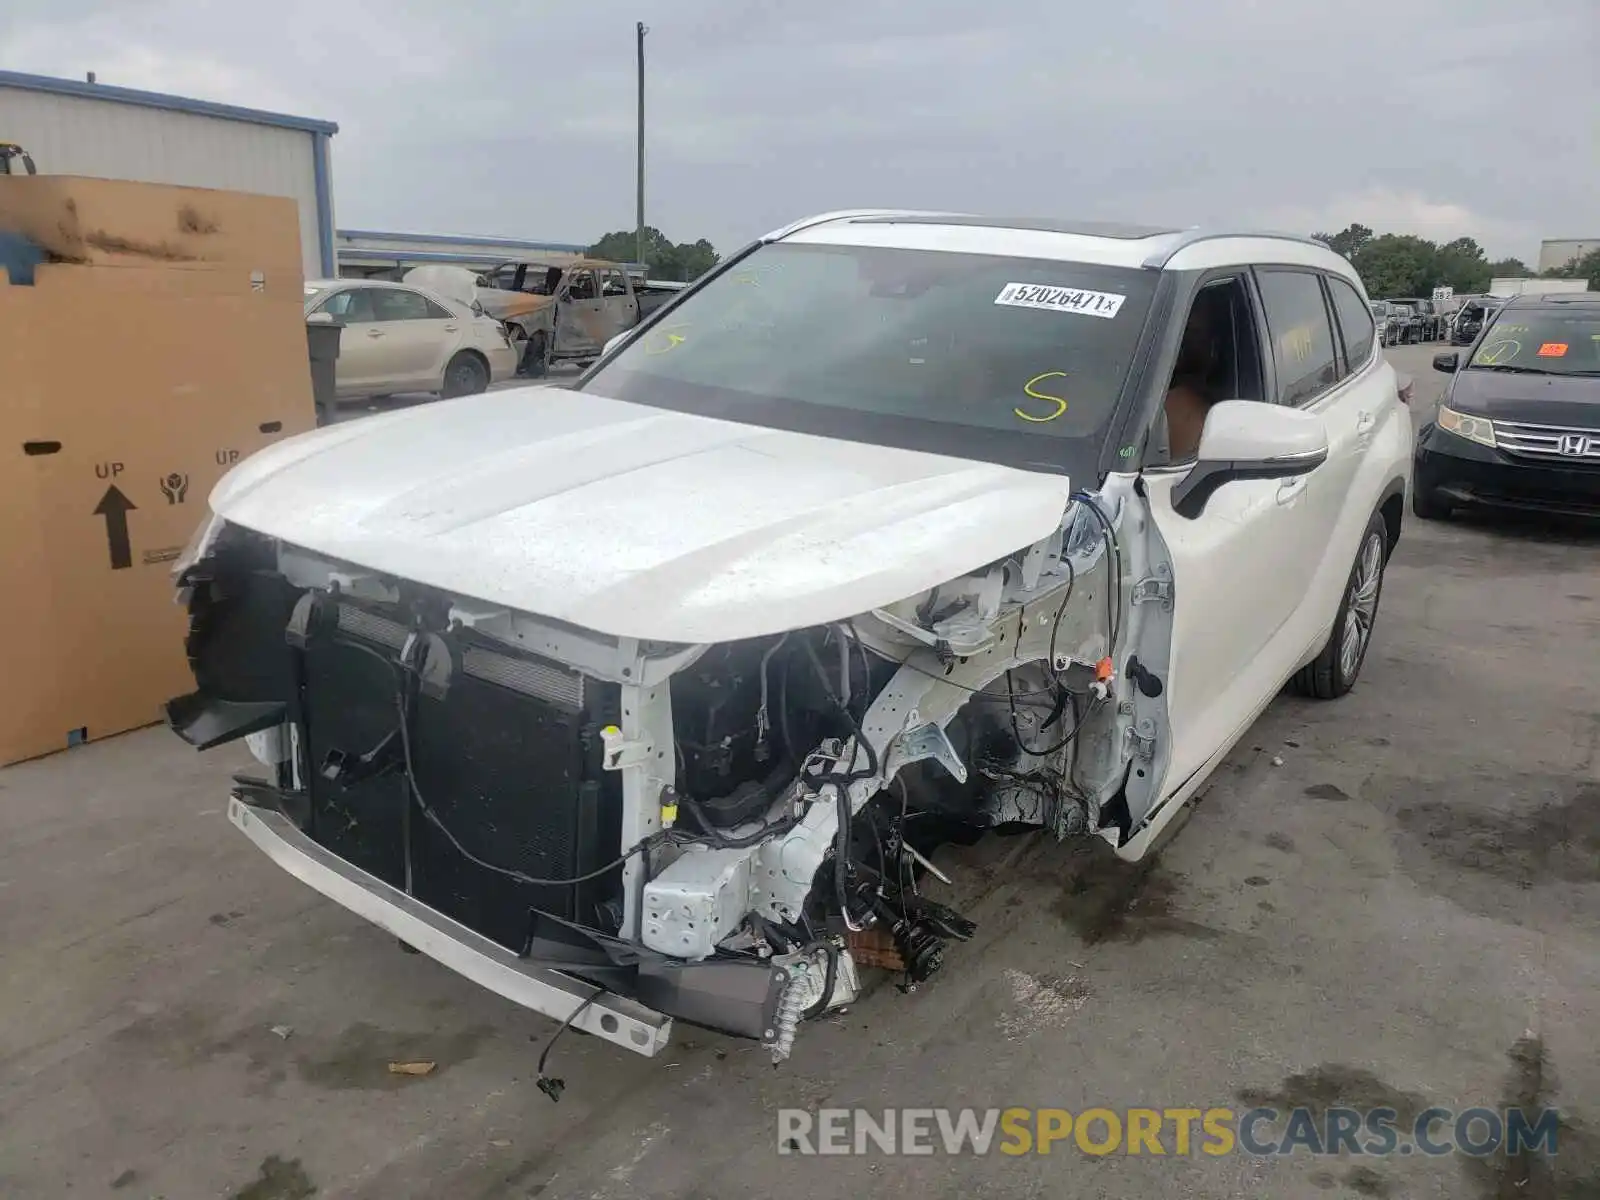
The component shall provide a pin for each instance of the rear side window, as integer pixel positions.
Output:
(1301, 336)
(1355, 322)
(392, 304)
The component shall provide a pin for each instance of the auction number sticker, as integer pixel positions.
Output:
(1060, 299)
(1553, 350)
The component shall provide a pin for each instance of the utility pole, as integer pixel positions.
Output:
(639, 226)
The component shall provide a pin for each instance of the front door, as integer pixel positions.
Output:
(580, 316)
(619, 307)
(1240, 567)
(361, 367)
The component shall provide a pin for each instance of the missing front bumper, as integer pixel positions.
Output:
(614, 1018)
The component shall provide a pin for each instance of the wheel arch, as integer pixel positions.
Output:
(1392, 508)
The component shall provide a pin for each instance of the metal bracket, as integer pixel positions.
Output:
(927, 740)
(620, 753)
(361, 586)
(1143, 744)
(1155, 587)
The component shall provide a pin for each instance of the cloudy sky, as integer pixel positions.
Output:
(1437, 117)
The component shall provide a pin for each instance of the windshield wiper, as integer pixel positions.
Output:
(1507, 367)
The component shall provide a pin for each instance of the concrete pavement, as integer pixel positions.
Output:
(1393, 898)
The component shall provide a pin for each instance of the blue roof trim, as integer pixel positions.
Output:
(162, 100)
(447, 239)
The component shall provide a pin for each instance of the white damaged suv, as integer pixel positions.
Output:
(648, 699)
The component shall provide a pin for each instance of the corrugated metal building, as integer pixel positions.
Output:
(1555, 253)
(75, 128)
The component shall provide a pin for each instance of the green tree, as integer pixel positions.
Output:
(1460, 265)
(1394, 264)
(1347, 241)
(1510, 268)
(662, 259)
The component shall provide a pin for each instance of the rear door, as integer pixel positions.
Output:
(1334, 374)
(1361, 409)
(417, 335)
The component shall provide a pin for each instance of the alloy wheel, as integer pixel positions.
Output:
(1362, 610)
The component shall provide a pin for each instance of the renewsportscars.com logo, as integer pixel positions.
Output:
(1166, 1131)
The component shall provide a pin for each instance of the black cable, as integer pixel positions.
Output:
(979, 693)
(1113, 551)
(434, 819)
(832, 976)
(1016, 731)
(554, 1087)
(842, 782)
(1072, 582)
(725, 841)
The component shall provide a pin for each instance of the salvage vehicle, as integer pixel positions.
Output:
(1425, 319)
(648, 699)
(1382, 318)
(1469, 319)
(566, 312)
(396, 338)
(1519, 425)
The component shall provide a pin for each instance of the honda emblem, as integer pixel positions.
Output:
(1575, 445)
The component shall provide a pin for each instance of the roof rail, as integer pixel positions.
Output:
(1190, 236)
(845, 214)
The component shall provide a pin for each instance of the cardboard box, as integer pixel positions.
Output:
(127, 389)
(117, 222)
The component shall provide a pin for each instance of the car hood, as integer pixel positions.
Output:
(635, 521)
(1572, 401)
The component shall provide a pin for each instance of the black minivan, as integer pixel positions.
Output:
(1519, 425)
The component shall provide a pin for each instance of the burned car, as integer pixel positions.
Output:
(647, 699)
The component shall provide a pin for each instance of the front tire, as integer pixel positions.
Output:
(465, 375)
(1334, 670)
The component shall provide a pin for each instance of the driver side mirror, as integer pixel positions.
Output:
(1448, 363)
(1245, 439)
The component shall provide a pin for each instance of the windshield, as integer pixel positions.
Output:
(1013, 360)
(1404, 310)
(1550, 341)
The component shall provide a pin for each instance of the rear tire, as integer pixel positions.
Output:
(1429, 505)
(465, 375)
(1337, 666)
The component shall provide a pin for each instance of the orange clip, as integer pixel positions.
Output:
(1103, 670)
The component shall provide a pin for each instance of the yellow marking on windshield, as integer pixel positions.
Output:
(664, 341)
(1061, 405)
(1498, 352)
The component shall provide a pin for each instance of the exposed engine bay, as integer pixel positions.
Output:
(733, 835)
